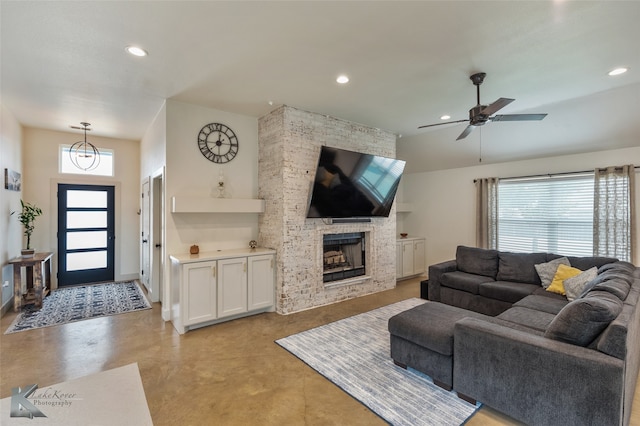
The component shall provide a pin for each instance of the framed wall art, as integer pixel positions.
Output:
(12, 180)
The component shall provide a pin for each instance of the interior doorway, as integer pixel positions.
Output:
(86, 233)
(152, 235)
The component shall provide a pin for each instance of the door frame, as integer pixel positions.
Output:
(156, 237)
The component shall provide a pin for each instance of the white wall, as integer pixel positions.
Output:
(10, 229)
(188, 172)
(41, 177)
(153, 145)
(444, 201)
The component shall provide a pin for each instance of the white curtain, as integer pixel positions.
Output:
(487, 213)
(613, 214)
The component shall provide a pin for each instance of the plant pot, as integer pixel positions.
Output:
(27, 252)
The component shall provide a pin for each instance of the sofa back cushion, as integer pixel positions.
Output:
(582, 320)
(614, 282)
(519, 267)
(477, 261)
(587, 262)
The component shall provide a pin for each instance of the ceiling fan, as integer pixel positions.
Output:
(480, 114)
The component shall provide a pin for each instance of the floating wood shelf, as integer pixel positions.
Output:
(194, 204)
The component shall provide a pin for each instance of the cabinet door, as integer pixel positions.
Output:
(199, 292)
(398, 260)
(407, 258)
(419, 262)
(261, 281)
(232, 286)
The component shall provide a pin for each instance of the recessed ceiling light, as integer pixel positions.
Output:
(342, 79)
(618, 71)
(136, 51)
(445, 117)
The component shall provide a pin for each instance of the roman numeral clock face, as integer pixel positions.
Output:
(218, 143)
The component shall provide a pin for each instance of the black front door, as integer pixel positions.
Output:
(86, 234)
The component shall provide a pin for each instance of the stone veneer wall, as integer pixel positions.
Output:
(289, 142)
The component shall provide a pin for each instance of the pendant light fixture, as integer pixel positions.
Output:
(84, 155)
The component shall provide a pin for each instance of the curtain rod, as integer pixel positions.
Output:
(636, 168)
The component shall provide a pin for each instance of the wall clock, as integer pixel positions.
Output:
(218, 143)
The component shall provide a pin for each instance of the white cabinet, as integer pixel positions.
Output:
(410, 257)
(199, 292)
(232, 286)
(261, 281)
(208, 288)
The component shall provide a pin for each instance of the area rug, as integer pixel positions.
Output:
(110, 398)
(353, 353)
(79, 303)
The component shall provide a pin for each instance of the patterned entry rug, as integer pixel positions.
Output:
(354, 354)
(79, 303)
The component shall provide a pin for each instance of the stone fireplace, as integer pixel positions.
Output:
(289, 142)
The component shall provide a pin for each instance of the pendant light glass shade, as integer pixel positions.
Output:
(84, 155)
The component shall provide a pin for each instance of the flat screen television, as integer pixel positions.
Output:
(353, 184)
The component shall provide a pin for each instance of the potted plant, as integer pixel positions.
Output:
(27, 218)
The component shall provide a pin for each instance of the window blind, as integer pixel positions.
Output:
(552, 214)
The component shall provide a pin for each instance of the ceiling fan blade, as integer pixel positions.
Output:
(466, 132)
(440, 124)
(518, 117)
(496, 106)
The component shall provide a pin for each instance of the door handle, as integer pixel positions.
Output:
(145, 241)
(158, 245)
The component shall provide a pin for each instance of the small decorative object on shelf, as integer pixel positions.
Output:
(194, 249)
(221, 185)
(253, 244)
(27, 217)
(403, 235)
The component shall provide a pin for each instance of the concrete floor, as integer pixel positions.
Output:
(227, 374)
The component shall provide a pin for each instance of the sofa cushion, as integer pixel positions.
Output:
(574, 286)
(550, 305)
(620, 266)
(582, 320)
(430, 325)
(463, 281)
(506, 291)
(546, 271)
(564, 272)
(477, 261)
(531, 318)
(613, 282)
(519, 267)
(587, 262)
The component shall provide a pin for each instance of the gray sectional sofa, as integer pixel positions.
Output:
(495, 334)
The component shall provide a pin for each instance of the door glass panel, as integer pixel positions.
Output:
(86, 260)
(87, 239)
(77, 220)
(77, 198)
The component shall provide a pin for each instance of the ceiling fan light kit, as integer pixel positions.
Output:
(480, 114)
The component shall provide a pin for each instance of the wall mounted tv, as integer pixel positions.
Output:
(353, 184)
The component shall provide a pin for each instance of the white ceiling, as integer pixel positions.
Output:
(64, 62)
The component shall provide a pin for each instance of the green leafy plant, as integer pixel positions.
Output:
(27, 217)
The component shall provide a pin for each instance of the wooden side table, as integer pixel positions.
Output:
(38, 269)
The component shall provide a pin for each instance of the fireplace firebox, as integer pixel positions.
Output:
(343, 256)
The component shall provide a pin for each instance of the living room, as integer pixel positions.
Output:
(439, 188)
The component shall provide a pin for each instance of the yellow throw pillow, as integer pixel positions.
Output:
(562, 273)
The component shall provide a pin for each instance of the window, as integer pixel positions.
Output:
(550, 214)
(105, 168)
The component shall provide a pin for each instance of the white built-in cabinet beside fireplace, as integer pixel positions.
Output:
(209, 288)
(410, 259)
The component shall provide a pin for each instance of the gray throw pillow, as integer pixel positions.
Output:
(573, 286)
(582, 320)
(546, 271)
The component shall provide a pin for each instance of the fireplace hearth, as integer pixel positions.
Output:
(343, 256)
